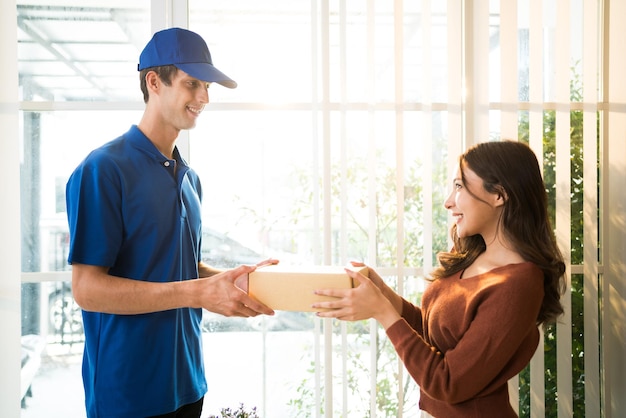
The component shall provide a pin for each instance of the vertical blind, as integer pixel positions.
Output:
(503, 59)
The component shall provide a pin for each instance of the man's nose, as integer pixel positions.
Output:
(203, 95)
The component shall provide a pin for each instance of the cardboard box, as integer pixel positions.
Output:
(288, 288)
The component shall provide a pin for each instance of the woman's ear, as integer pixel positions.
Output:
(500, 197)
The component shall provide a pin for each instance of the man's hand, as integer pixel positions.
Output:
(226, 293)
(242, 281)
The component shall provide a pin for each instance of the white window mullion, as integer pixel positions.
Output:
(10, 320)
(458, 80)
(535, 79)
(509, 69)
(315, 116)
(563, 202)
(343, 236)
(158, 17)
(168, 14)
(613, 304)
(535, 134)
(328, 367)
(457, 83)
(326, 158)
(315, 111)
(343, 97)
(400, 165)
(399, 126)
(317, 355)
(327, 196)
(508, 107)
(371, 140)
(590, 209)
(426, 127)
(477, 71)
(372, 163)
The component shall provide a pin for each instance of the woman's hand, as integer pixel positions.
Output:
(366, 300)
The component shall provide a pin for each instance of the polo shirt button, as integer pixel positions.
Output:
(166, 164)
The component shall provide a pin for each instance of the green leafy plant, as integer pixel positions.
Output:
(238, 413)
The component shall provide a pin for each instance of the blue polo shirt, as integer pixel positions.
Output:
(131, 209)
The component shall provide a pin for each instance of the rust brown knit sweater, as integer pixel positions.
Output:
(469, 338)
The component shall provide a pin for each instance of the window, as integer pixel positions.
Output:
(72, 59)
(337, 145)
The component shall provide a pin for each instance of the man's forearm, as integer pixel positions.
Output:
(204, 270)
(95, 290)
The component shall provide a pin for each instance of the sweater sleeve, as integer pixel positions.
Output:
(413, 316)
(498, 341)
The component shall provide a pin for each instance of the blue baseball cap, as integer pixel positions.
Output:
(187, 51)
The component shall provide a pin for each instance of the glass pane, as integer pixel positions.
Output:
(263, 45)
(70, 50)
(53, 145)
(52, 336)
(253, 166)
(274, 50)
(52, 346)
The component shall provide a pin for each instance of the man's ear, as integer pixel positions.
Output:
(153, 81)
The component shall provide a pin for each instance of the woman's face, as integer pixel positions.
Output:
(474, 210)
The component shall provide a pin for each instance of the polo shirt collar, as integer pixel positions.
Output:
(140, 141)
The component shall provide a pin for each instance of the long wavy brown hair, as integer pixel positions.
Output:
(512, 167)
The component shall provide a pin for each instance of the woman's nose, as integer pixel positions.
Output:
(449, 202)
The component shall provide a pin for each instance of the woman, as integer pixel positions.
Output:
(478, 324)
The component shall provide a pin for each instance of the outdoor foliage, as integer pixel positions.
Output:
(355, 175)
(576, 253)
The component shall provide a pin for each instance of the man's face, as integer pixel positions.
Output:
(183, 101)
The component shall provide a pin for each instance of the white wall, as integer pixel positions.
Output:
(9, 216)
